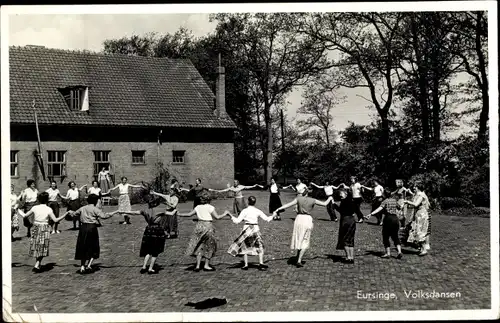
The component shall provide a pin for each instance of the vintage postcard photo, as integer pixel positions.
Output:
(250, 162)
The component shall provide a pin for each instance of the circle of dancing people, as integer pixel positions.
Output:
(41, 216)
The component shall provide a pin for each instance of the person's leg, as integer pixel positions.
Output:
(198, 261)
(346, 253)
(207, 264)
(357, 209)
(427, 245)
(331, 211)
(152, 264)
(90, 263)
(245, 260)
(261, 258)
(146, 259)
(38, 262)
(385, 240)
(301, 254)
(351, 251)
(127, 219)
(82, 265)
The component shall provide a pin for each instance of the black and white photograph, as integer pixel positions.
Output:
(250, 162)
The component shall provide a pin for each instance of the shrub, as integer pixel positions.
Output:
(454, 202)
(468, 212)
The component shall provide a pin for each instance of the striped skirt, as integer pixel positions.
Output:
(239, 204)
(40, 240)
(302, 228)
(347, 232)
(87, 243)
(202, 240)
(249, 242)
(124, 203)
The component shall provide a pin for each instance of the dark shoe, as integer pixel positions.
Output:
(385, 256)
(152, 272)
(82, 272)
(399, 256)
(36, 270)
(211, 269)
(196, 269)
(244, 268)
(299, 265)
(263, 267)
(361, 221)
(143, 270)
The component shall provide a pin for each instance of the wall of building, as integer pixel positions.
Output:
(212, 162)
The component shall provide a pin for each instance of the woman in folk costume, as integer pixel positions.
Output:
(347, 226)
(87, 243)
(154, 237)
(171, 200)
(104, 180)
(14, 206)
(239, 201)
(40, 237)
(124, 200)
(203, 243)
(73, 200)
(249, 242)
(420, 227)
(329, 189)
(406, 215)
(389, 209)
(303, 224)
(28, 199)
(54, 195)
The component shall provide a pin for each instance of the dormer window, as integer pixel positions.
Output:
(76, 97)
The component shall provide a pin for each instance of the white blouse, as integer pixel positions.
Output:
(238, 190)
(204, 212)
(379, 190)
(103, 175)
(274, 188)
(123, 188)
(41, 213)
(328, 190)
(94, 190)
(251, 215)
(72, 194)
(356, 190)
(53, 194)
(301, 188)
(13, 200)
(30, 196)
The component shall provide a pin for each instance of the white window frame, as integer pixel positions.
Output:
(99, 164)
(143, 157)
(176, 162)
(14, 163)
(60, 163)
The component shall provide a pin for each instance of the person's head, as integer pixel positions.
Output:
(236, 182)
(342, 194)
(273, 181)
(418, 186)
(92, 199)
(95, 184)
(299, 181)
(399, 183)
(205, 198)
(103, 169)
(71, 184)
(124, 180)
(43, 198)
(353, 179)
(198, 181)
(327, 183)
(252, 200)
(53, 185)
(376, 182)
(30, 183)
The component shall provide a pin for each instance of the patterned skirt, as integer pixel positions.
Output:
(124, 203)
(419, 227)
(87, 244)
(202, 240)
(249, 242)
(40, 239)
(347, 232)
(239, 204)
(15, 220)
(153, 241)
(274, 202)
(302, 228)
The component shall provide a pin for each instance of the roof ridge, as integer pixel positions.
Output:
(39, 48)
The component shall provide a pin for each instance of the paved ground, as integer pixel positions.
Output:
(459, 262)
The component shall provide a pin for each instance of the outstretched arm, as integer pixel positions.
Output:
(367, 188)
(164, 196)
(249, 187)
(24, 215)
(221, 191)
(286, 206)
(289, 186)
(81, 188)
(379, 209)
(193, 212)
(317, 186)
(417, 202)
(137, 186)
(323, 203)
(217, 216)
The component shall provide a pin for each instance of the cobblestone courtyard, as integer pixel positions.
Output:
(459, 262)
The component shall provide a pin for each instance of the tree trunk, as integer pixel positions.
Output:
(327, 136)
(483, 117)
(385, 129)
(436, 110)
(268, 170)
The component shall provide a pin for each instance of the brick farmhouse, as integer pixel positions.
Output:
(98, 110)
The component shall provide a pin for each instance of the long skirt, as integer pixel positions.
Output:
(202, 240)
(104, 185)
(347, 232)
(28, 221)
(15, 220)
(124, 203)
(55, 208)
(419, 227)
(40, 240)
(74, 205)
(239, 204)
(302, 228)
(172, 223)
(274, 202)
(153, 241)
(249, 242)
(87, 244)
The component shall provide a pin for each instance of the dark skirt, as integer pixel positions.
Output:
(172, 223)
(347, 231)
(55, 208)
(153, 241)
(196, 201)
(87, 244)
(73, 205)
(274, 202)
(28, 221)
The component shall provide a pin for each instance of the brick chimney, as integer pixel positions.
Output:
(220, 92)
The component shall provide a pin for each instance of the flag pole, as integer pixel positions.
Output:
(39, 153)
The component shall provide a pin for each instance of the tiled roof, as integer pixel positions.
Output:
(123, 90)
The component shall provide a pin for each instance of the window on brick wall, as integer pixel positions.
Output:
(101, 159)
(138, 157)
(56, 163)
(14, 163)
(178, 156)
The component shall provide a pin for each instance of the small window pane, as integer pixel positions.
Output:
(178, 156)
(138, 157)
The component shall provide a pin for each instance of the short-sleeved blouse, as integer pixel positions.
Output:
(204, 212)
